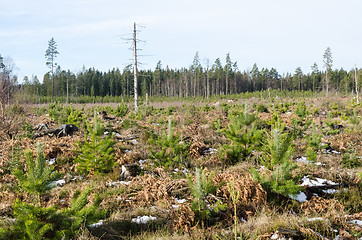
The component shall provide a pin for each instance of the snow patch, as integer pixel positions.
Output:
(51, 161)
(180, 200)
(317, 182)
(302, 160)
(329, 151)
(357, 222)
(143, 219)
(117, 183)
(98, 224)
(330, 191)
(306, 161)
(134, 142)
(315, 219)
(210, 151)
(59, 183)
(77, 178)
(300, 197)
(141, 162)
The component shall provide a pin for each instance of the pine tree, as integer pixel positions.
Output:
(50, 55)
(200, 188)
(38, 175)
(35, 222)
(243, 137)
(95, 155)
(277, 175)
(172, 151)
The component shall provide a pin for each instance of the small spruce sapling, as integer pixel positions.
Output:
(244, 136)
(96, 154)
(172, 152)
(314, 144)
(302, 122)
(36, 179)
(35, 222)
(277, 175)
(201, 187)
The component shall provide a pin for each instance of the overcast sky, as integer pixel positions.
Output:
(284, 34)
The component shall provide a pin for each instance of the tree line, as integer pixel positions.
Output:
(194, 81)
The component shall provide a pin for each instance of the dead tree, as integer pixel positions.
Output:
(135, 68)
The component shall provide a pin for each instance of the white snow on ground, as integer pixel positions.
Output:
(306, 161)
(210, 151)
(143, 219)
(330, 191)
(357, 222)
(328, 151)
(302, 160)
(184, 170)
(315, 219)
(100, 223)
(317, 182)
(175, 206)
(51, 161)
(117, 183)
(60, 183)
(77, 178)
(301, 197)
(134, 142)
(141, 162)
(180, 200)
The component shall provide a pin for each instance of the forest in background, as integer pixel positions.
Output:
(194, 81)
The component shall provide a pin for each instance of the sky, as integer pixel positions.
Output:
(283, 34)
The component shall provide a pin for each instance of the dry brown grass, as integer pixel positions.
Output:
(326, 207)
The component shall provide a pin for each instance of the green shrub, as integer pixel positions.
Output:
(244, 138)
(36, 179)
(55, 111)
(96, 154)
(354, 119)
(351, 160)
(276, 158)
(331, 126)
(35, 222)
(121, 110)
(201, 187)
(172, 151)
(302, 122)
(28, 130)
(261, 108)
(72, 115)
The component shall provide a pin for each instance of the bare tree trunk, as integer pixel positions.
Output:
(135, 68)
(227, 81)
(186, 84)
(52, 80)
(355, 77)
(67, 90)
(327, 83)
